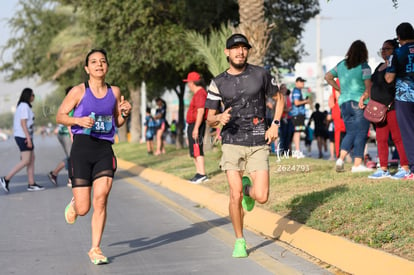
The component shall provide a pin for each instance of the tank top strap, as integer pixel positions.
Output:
(87, 85)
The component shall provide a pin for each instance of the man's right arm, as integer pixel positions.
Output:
(211, 118)
(299, 102)
(214, 119)
(213, 101)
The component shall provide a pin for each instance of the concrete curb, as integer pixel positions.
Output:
(339, 252)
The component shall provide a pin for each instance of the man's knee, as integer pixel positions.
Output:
(236, 197)
(262, 198)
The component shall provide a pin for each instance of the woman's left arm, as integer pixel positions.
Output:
(122, 109)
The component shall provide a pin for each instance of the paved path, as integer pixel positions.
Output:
(150, 230)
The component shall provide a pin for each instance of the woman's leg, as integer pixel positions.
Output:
(337, 136)
(82, 198)
(358, 128)
(59, 168)
(348, 115)
(101, 188)
(159, 141)
(25, 159)
(382, 144)
(30, 169)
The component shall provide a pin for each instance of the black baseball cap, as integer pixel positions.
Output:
(300, 79)
(236, 39)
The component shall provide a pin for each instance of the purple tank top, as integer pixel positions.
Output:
(104, 127)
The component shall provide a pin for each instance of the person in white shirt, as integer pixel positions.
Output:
(23, 134)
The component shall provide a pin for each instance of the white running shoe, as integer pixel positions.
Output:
(360, 168)
(339, 166)
(34, 187)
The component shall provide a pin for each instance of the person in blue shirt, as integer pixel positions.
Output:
(160, 118)
(298, 114)
(150, 128)
(400, 68)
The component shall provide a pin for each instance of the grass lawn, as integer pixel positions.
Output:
(377, 213)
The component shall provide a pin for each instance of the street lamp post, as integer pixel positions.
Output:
(319, 72)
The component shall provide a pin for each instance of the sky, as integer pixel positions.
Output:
(344, 21)
(10, 91)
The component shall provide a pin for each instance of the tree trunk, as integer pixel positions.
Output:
(123, 133)
(207, 139)
(135, 119)
(180, 91)
(254, 26)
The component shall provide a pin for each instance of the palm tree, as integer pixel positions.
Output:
(70, 54)
(211, 50)
(254, 26)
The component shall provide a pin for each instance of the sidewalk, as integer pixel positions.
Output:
(339, 252)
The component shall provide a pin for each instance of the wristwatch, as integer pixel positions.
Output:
(277, 122)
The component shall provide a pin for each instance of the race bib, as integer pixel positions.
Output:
(103, 124)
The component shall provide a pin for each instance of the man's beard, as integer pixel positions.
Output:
(238, 66)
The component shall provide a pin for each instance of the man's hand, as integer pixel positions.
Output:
(194, 134)
(225, 116)
(272, 133)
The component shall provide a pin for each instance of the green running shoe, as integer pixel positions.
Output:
(70, 214)
(240, 249)
(247, 202)
(96, 256)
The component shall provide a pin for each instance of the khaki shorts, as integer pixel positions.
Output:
(245, 158)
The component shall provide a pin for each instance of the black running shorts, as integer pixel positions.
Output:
(299, 123)
(90, 158)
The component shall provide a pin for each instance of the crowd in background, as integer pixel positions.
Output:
(342, 132)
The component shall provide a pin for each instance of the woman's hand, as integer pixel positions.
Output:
(124, 107)
(29, 143)
(361, 104)
(85, 122)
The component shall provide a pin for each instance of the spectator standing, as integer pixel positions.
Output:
(242, 89)
(196, 126)
(309, 132)
(331, 136)
(150, 131)
(384, 92)
(319, 120)
(160, 118)
(173, 131)
(400, 68)
(23, 127)
(338, 122)
(354, 75)
(298, 113)
(286, 125)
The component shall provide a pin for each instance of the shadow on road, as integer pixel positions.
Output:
(141, 244)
